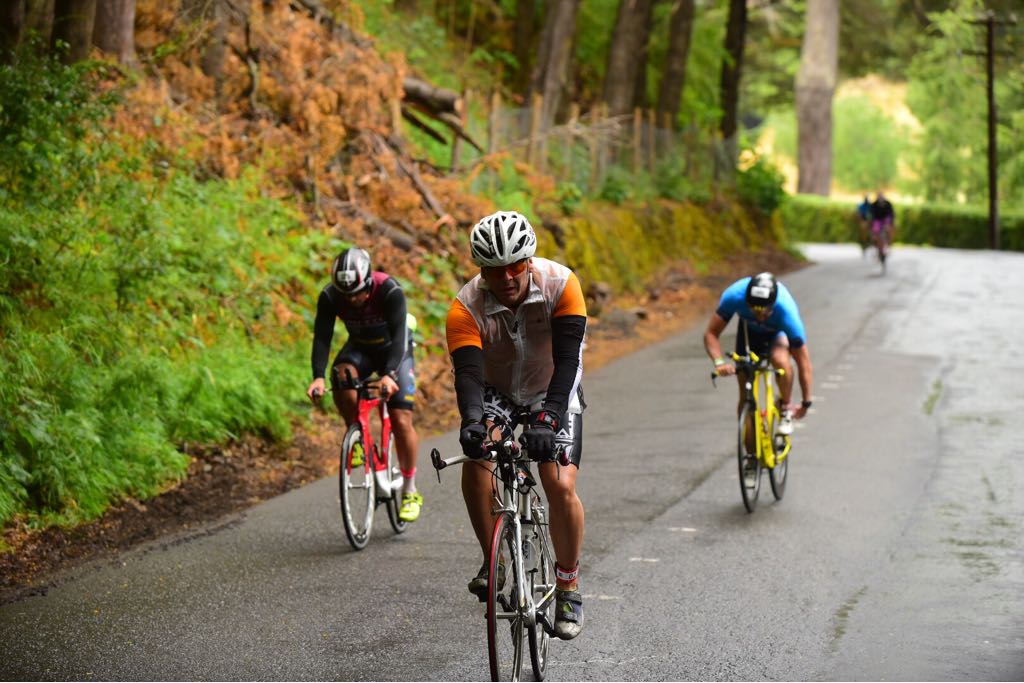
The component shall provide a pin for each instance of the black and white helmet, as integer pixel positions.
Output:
(350, 273)
(502, 238)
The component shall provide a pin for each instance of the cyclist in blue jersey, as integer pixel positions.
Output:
(372, 307)
(770, 325)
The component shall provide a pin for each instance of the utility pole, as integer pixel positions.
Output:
(990, 22)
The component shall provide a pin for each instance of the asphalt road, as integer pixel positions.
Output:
(898, 552)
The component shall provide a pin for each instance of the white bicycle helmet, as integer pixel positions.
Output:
(502, 238)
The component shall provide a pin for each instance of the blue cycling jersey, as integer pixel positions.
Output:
(785, 316)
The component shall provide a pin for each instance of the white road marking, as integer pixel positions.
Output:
(835, 378)
(644, 559)
(829, 385)
(689, 529)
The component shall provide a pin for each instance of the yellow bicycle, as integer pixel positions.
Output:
(759, 446)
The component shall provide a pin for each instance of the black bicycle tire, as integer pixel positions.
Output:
(749, 496)
(394, 503)
(539, 639)
(503, 527)
(355, 538)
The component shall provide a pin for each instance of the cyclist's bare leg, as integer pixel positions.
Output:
(565, 515)
(780, 360)
(345, 400)
(477, 486)
(750, 444)
(407, 443)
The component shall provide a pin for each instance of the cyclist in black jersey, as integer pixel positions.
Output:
(372, 307)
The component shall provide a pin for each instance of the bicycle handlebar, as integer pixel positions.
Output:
(751, 361)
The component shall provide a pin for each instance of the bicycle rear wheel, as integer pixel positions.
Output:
(780, 446)
(504, 619)
(749, 465)
(356, 486)
(541, 566)
(394, 503)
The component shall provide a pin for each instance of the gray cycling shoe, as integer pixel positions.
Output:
(478, 586)
(568, 614)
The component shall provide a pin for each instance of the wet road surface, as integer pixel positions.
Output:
(898, 552)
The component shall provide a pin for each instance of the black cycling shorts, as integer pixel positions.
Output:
(499, 407)
(368, 361)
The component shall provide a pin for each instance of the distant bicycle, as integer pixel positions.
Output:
(759, 445)
(369, 474)
(521, 579)
(881, 236)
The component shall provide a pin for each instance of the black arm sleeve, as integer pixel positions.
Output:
(469, 382)
(323, 332)
(396, 309)
(566, 343)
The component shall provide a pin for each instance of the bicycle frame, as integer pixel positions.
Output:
(368, 400)
(760, 396)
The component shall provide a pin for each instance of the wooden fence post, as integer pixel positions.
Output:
(637, 135)
(395, 105)
(463, 112)
(536, 107)
(570, 141)
(652, 130)
(492, 122)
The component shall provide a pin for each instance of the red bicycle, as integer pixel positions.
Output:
(369, 474)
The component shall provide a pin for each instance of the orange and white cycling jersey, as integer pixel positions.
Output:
(517, 345)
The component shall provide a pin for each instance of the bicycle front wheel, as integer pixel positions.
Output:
(746, 455)
(394, 503)
(541, 566)
(504, 616)
(356, 488)
(781, 447)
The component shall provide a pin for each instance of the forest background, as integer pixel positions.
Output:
(176, 176)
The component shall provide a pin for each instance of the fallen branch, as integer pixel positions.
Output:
(374, 224)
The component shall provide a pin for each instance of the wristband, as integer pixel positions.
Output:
(719, 361)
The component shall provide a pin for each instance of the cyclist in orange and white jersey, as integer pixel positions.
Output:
(515, 334)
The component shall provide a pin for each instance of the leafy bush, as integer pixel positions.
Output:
(619, 186)
(760, 186)
(815, 219)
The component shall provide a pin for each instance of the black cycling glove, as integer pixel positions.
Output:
(539, 438)
(472, 439)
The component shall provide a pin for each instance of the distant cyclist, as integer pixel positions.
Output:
(883, 217)
(770, 326)
(864, 212)
(372, 306)
(515, 334)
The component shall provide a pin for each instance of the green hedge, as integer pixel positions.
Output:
(808, 218)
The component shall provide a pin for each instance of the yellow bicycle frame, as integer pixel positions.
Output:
(766, 412)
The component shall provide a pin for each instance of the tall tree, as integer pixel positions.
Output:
(674, 76)
(39, 19)
(114, 30)
(732, 70)
(554, 53)
(524, 42)
(72, 24)
(815, 85)
(12, 23)
(625, 55)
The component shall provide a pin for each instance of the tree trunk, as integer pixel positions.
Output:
(554, 54)
(407, 6)
(114, 31)
(12, 25)
(39, 19)
(674, 79)
(72, 23)
(732, 69)
(815, 85)
(525, 44)
(629, 41)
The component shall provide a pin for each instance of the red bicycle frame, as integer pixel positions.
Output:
(368, 400)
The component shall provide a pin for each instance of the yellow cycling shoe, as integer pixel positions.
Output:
(357, 455)
(412, 503)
